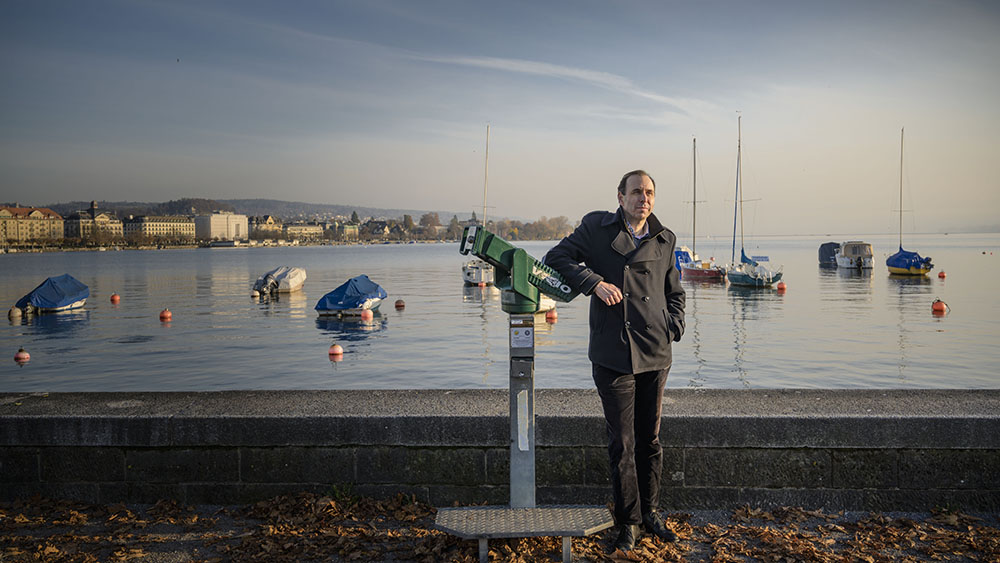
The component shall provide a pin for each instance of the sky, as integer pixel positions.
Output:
(386, 103)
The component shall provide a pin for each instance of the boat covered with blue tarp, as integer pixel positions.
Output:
(355, 295)
(58, 293)
(908, 263)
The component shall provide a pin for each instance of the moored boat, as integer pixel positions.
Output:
(855, 254)
(691, 266)
(749, 271)
(352, 297)
(283, 279)
(477, 272)
(58, 293)
(904, 262)
(828, 254)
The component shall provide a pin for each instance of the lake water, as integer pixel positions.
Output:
(831, 329)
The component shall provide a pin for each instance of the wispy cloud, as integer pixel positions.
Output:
(596, 78)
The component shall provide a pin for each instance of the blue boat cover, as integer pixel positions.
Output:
(828, 253)
(55, 292)
(745, 260)
(351, 295)
(906, 259)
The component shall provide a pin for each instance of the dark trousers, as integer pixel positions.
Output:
(633, 404)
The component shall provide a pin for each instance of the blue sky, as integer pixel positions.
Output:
(385, 104)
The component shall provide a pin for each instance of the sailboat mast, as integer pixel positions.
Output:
(736, 209)
(901, 187)
(694, 201)
(486, 172)
(739, 173)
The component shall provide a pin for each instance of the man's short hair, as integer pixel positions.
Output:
(621, 185)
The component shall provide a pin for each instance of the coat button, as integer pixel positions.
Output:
(649, 327)
(627, 294)
(628, 324)
(626, 267)
(645, 298)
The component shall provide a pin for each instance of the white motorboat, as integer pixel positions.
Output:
(283, 279)
(477, 272)
(855, 254)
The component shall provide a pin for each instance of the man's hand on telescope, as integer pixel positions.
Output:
(608, 293)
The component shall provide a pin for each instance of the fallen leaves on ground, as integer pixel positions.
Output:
(308, 527)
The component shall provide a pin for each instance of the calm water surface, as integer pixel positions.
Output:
(831, 329)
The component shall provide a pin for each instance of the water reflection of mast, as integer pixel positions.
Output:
(739, 334)
(698, 380)
(915, 286)
(481, 295)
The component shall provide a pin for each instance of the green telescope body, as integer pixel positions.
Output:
(516, 272)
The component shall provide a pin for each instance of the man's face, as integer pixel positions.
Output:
(637, 201)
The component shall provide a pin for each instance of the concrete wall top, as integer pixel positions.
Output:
(950, 419)
(716, 403)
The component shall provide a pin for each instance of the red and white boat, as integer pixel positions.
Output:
(692, 267)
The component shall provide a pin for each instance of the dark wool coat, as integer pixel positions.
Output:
(633, 336)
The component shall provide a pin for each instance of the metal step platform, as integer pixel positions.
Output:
(487, 522)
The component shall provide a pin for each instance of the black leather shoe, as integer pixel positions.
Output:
(654, 525)
(627, 536)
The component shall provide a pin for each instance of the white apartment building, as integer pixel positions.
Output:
(221, 225)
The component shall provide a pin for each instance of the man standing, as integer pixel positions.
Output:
(625, 262)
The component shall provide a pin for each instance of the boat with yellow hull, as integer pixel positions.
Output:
(905, 263)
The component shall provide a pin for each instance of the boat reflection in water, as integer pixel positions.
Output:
(57, 325)
(352, 328)
(913, 294)
(477, 294)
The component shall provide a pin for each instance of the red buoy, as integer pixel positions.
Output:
(336, 353)
(782, 286)
(22, 357)
(115, 298)
(939, 307)
(166, 315)
(400, 304)
(551, 316)
(941, 274)
(482, 284)
(367, 315)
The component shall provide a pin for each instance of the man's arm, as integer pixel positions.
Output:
(567, 257)
(676, 299)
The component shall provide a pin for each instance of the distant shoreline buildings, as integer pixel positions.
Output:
(93, 227)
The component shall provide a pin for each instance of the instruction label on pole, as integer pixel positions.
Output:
(521, 337)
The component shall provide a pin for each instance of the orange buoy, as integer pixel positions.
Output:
(22, 357)
(367, 315)
(941, 274)
(482, 284)
(551, 316)
(939, 306)
(115, 298)
(166, 315)
(400, 304)
(14, 313)
(782, 286)
(336, 350)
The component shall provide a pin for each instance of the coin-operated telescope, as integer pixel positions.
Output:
(522, 279)
(520, 276)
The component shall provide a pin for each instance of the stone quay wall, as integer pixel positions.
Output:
(833, 449)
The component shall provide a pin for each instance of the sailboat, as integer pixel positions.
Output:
(904, 262)
(476, 271)
(692, 267)
(749, 272)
